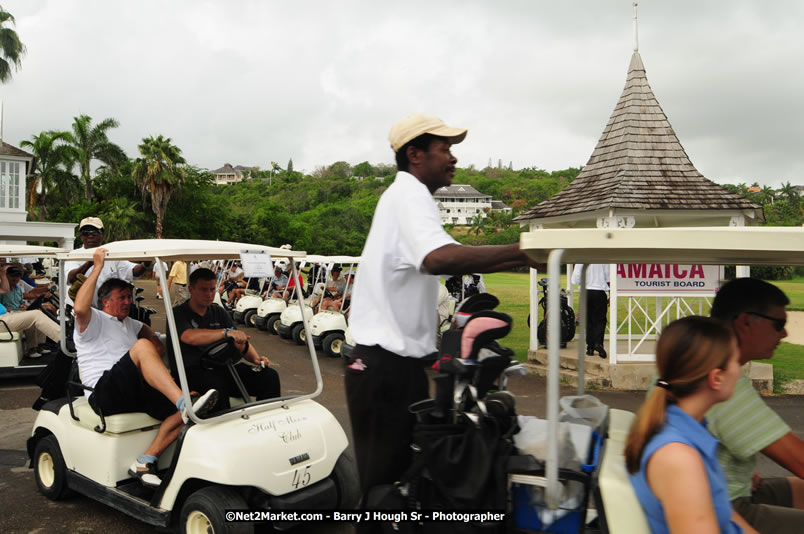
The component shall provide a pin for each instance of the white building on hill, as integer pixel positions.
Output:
(458, 203)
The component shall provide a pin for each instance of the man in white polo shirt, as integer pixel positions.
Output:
(121, 359)
(393, 319)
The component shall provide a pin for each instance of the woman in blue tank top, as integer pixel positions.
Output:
(670, 456)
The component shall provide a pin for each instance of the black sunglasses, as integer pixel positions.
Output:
(778, 323)
(91, 232)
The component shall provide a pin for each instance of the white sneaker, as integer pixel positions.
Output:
(202, 405)
(34, 354)
(146, 473)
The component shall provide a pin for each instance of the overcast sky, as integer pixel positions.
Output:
(534, 81)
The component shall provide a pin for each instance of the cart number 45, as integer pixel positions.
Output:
(301, 477)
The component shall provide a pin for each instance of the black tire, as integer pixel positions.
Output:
(50, 471)
(347, 482)
(273, 323)
(262, 325)
(250, 318)
(205, 510)
(332, 344)
(299, 334)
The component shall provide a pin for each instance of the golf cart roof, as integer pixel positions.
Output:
(764, 245)
(342, 259)
(9, 250)
(179, 249)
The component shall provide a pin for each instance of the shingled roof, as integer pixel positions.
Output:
(638, 164)
(11, 150)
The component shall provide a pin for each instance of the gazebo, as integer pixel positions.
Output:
(639, 175)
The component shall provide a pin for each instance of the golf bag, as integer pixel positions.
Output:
(462, 440)
(567, 317)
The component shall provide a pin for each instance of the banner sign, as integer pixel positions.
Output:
(256, 264)
(668, 278)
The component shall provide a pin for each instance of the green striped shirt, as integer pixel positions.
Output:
(744, 425)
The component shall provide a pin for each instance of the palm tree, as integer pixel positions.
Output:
(789, 192)
(767, 194)
(90, 143)
(121, 218)
(159, 173)
(52, 164)
(11, 49)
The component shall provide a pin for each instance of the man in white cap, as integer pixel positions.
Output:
(91, 232)
(405, 251)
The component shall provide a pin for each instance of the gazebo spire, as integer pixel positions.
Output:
(636, 30)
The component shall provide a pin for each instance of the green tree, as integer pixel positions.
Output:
(158, 172)
(364, 170)
(120, 218)
(52, 164)
(11, 48)
(290, 165)
(92, 143)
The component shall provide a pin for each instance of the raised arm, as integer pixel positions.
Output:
(83, 300)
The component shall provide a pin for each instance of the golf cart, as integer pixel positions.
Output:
(327, 327)
(618, 509)
(284, 453)
(291, 324)
(13, 362)
(269, 310)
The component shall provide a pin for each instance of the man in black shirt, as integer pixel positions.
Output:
(200, 322)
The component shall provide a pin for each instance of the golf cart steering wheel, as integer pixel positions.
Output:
(220, 354)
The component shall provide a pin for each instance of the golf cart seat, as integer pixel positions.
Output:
(617, 504)
(115, 424)
(10, 346)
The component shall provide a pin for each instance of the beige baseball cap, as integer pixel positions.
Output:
(418, 124)
(91, 221)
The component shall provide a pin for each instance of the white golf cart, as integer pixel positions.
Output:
(269, 310)
(618, 509)
(13, 362)
(245, 311)
(291, 324)
(328, 327)
(278, 454)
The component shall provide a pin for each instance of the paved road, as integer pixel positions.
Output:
(24, 510)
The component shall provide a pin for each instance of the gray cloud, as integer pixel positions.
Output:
(250, 82)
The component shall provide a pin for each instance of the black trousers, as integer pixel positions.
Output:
(597, 308)
(380, 385)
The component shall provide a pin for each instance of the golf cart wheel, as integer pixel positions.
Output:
(204, 511)
(344, 475)
(250, 318)
(49, 469)
(299, 334)
(273, 323)
(332, 344)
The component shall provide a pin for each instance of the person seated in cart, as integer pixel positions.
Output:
(334, 291)
(37, 326)
(121, 359)
(670, 456)
(199, 322)
(290, 288)
(745, 425)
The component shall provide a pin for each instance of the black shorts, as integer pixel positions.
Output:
(122, 389)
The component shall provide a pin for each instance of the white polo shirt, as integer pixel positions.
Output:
(121, 269)
(394, 302)
(105, 340)
(597, 276)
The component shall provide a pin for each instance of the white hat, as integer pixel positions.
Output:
(418, 124)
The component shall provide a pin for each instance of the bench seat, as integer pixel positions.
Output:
(115, 424)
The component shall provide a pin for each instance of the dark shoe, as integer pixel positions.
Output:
(590, 351)
(146, 473)
(600, 350)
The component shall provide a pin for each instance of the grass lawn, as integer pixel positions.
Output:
(512, 290)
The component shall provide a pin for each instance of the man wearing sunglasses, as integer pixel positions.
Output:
(746, 426)
(91, 231)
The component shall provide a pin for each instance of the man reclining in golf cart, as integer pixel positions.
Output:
(200, 322)
(121, 360)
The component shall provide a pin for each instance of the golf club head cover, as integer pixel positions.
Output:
(479, 302)
(482, 328)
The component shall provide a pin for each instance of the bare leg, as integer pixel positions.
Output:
(168, 432)
(797, 488)
(148, 361)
